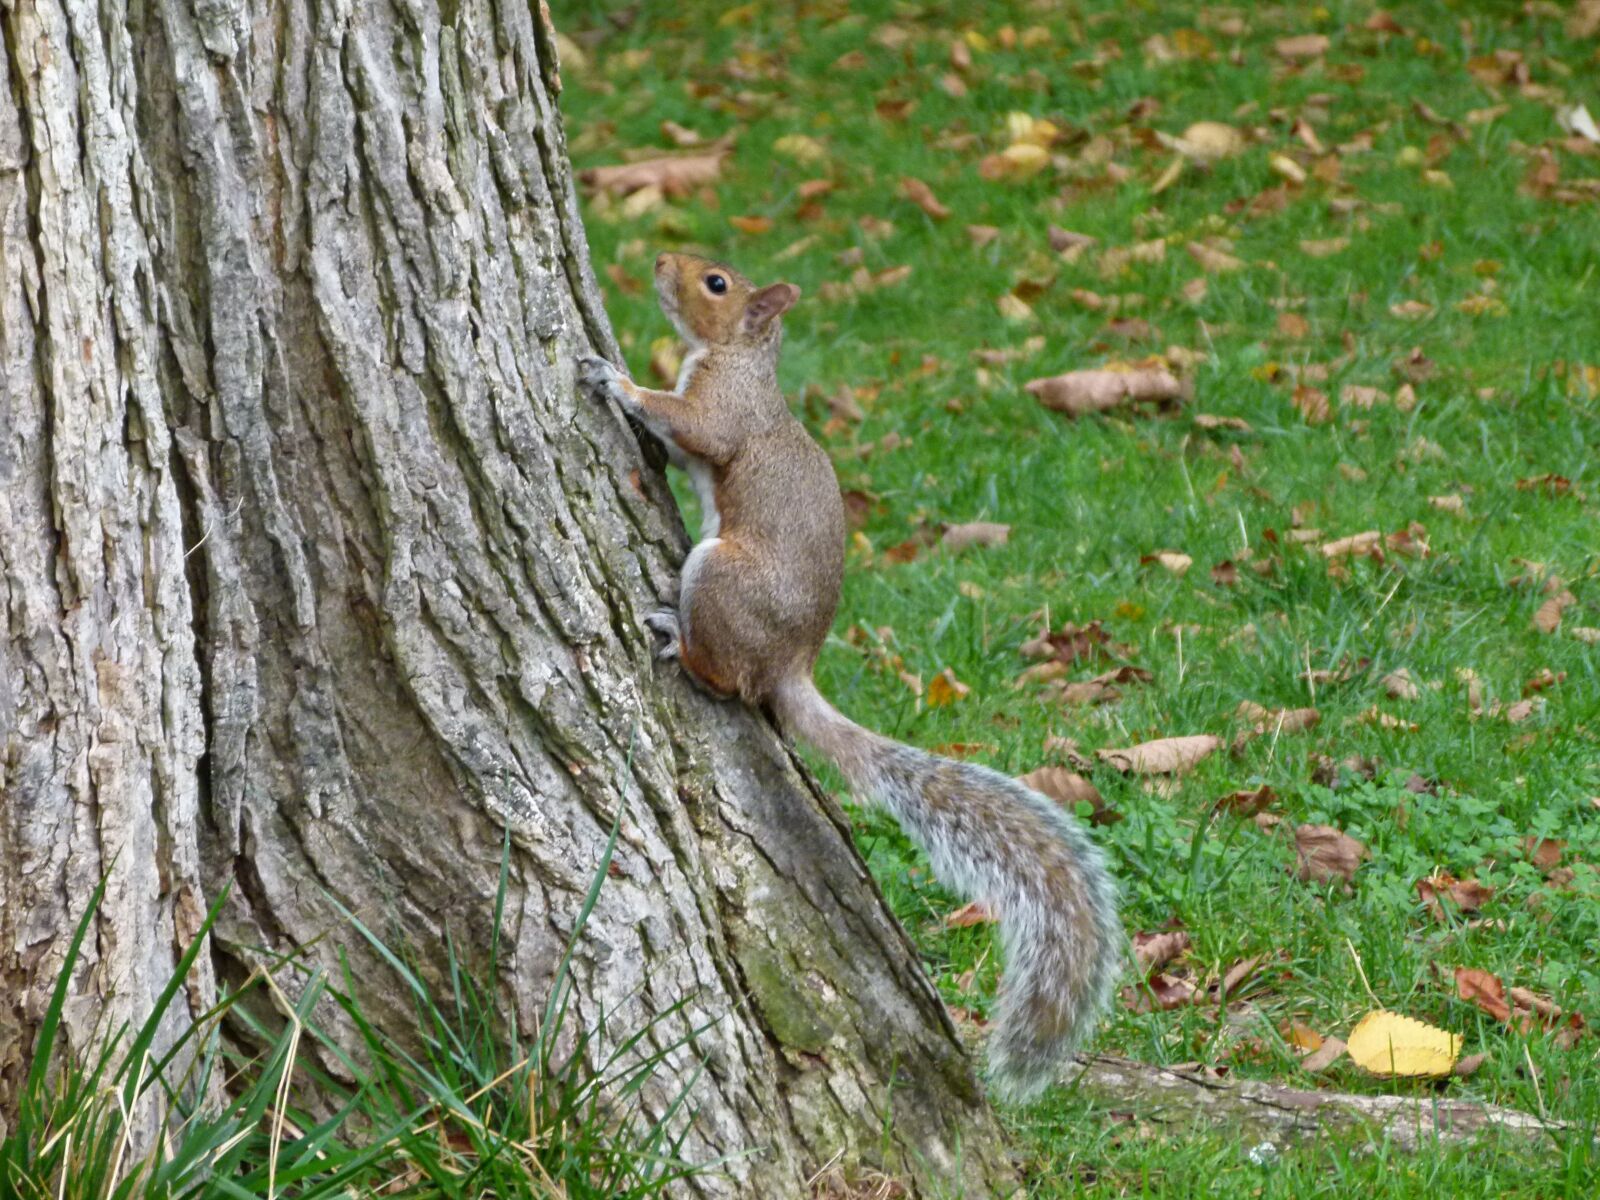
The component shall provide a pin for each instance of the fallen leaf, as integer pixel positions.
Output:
(1466, 894)
(1172, 560)
(1548, 618)
(1206, 142)
(1319, 1060)
(674, 176)
(1323, 247)
(1452, 503)
(1355, 395)
(1468, 1064)
(1484, 990)
(1062, 240)
(1164, 756)
(975, 533)
(1398, 685)
(1153, 951)
(1213, 260)
(1078, 392)
(1286, 167)
(751, 224)
(1313, 404)
(1357, 543)
(1247, 803)
(946, 689)
(1386, 1043)
(1064, 786)
(1326, 854)
(800, 147)
(1301, 47)
(1018, 162)
(1411, 310)
(922, 196)
(982, 235)
(1210, 421)
(1293, 325)
(975, 913)
(1543, 852)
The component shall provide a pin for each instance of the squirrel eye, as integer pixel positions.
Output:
(716, 284)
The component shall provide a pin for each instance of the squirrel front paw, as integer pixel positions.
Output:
(600, 379)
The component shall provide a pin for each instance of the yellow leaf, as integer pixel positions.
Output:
(1386, 1043)
(801, 148)
(946, 689)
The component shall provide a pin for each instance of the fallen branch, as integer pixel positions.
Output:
(1168, 1095)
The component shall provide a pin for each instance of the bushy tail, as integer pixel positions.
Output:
(992, 839)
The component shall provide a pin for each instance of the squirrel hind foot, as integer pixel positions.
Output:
(664, 624)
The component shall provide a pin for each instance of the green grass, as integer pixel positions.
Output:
(458, 1107)
(1508, 401)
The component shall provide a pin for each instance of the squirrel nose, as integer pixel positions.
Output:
(663, 260)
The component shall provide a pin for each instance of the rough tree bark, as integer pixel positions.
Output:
(316, 575)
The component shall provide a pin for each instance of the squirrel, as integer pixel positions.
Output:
(757, 597)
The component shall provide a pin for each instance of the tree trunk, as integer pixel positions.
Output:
(316, 575)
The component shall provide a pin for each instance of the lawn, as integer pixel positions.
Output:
(1363, 246)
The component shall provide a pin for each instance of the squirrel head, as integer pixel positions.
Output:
(713, 305)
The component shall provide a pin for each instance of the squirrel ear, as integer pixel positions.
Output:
(769, 302)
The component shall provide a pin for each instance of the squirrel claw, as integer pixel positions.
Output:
(597, 376)
(664, 624)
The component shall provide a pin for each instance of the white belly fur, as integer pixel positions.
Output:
(691, 568)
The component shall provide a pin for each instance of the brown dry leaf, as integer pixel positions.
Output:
(1248, 803)
(1152, 951)
(1064, 240)
(1398, 685)
(975, 533)
(1319, 1060)
(680, 136)
(1587, 634)
(1468, 1064)
(674, 176)
(922, 196)
(1411, 310)
(1355, 395)
(1277, 720)
(1376, 716)
(1313, 404)
(1070, 643)
(1325, 853)
(1516, 714)
(1369, 543)
(1161, 993)
(1543, 679)
(1237, 975)
(751, 224)
(1301, 47)
(1293, 325)
(1017, 162)
(975, 913)
(1484, 990)
(946, 689)
(1323, 247)
(1211, 421)
(1078, 392)
(1065, 787)
(982, 235)
(1543, 852)
(1225, 573)
(1205, 142)
(1467, 894)
(1164, 756)
(1548, 618)
(1172, 560)
(1451, 503)
(1213, 260)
